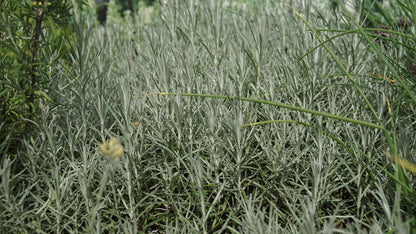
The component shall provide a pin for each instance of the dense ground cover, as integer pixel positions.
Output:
(316, 158)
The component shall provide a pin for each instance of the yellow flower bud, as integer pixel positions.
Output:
(40, 3)
(111, 149)
(118, 151)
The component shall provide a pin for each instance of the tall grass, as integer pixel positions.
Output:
(274, 123)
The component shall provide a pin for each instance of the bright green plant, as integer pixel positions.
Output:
(30, 42)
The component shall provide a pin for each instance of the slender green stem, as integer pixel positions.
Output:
(395, 178)
(357, 31)
(385, 61)
(328, 115)
(344, 70)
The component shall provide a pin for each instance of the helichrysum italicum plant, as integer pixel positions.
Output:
(111, 149)
(292, 149)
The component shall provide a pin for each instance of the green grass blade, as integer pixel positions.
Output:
(300, 109)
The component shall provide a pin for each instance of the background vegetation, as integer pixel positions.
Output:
(235, 116)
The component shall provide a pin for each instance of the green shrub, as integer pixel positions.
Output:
(30, 43)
